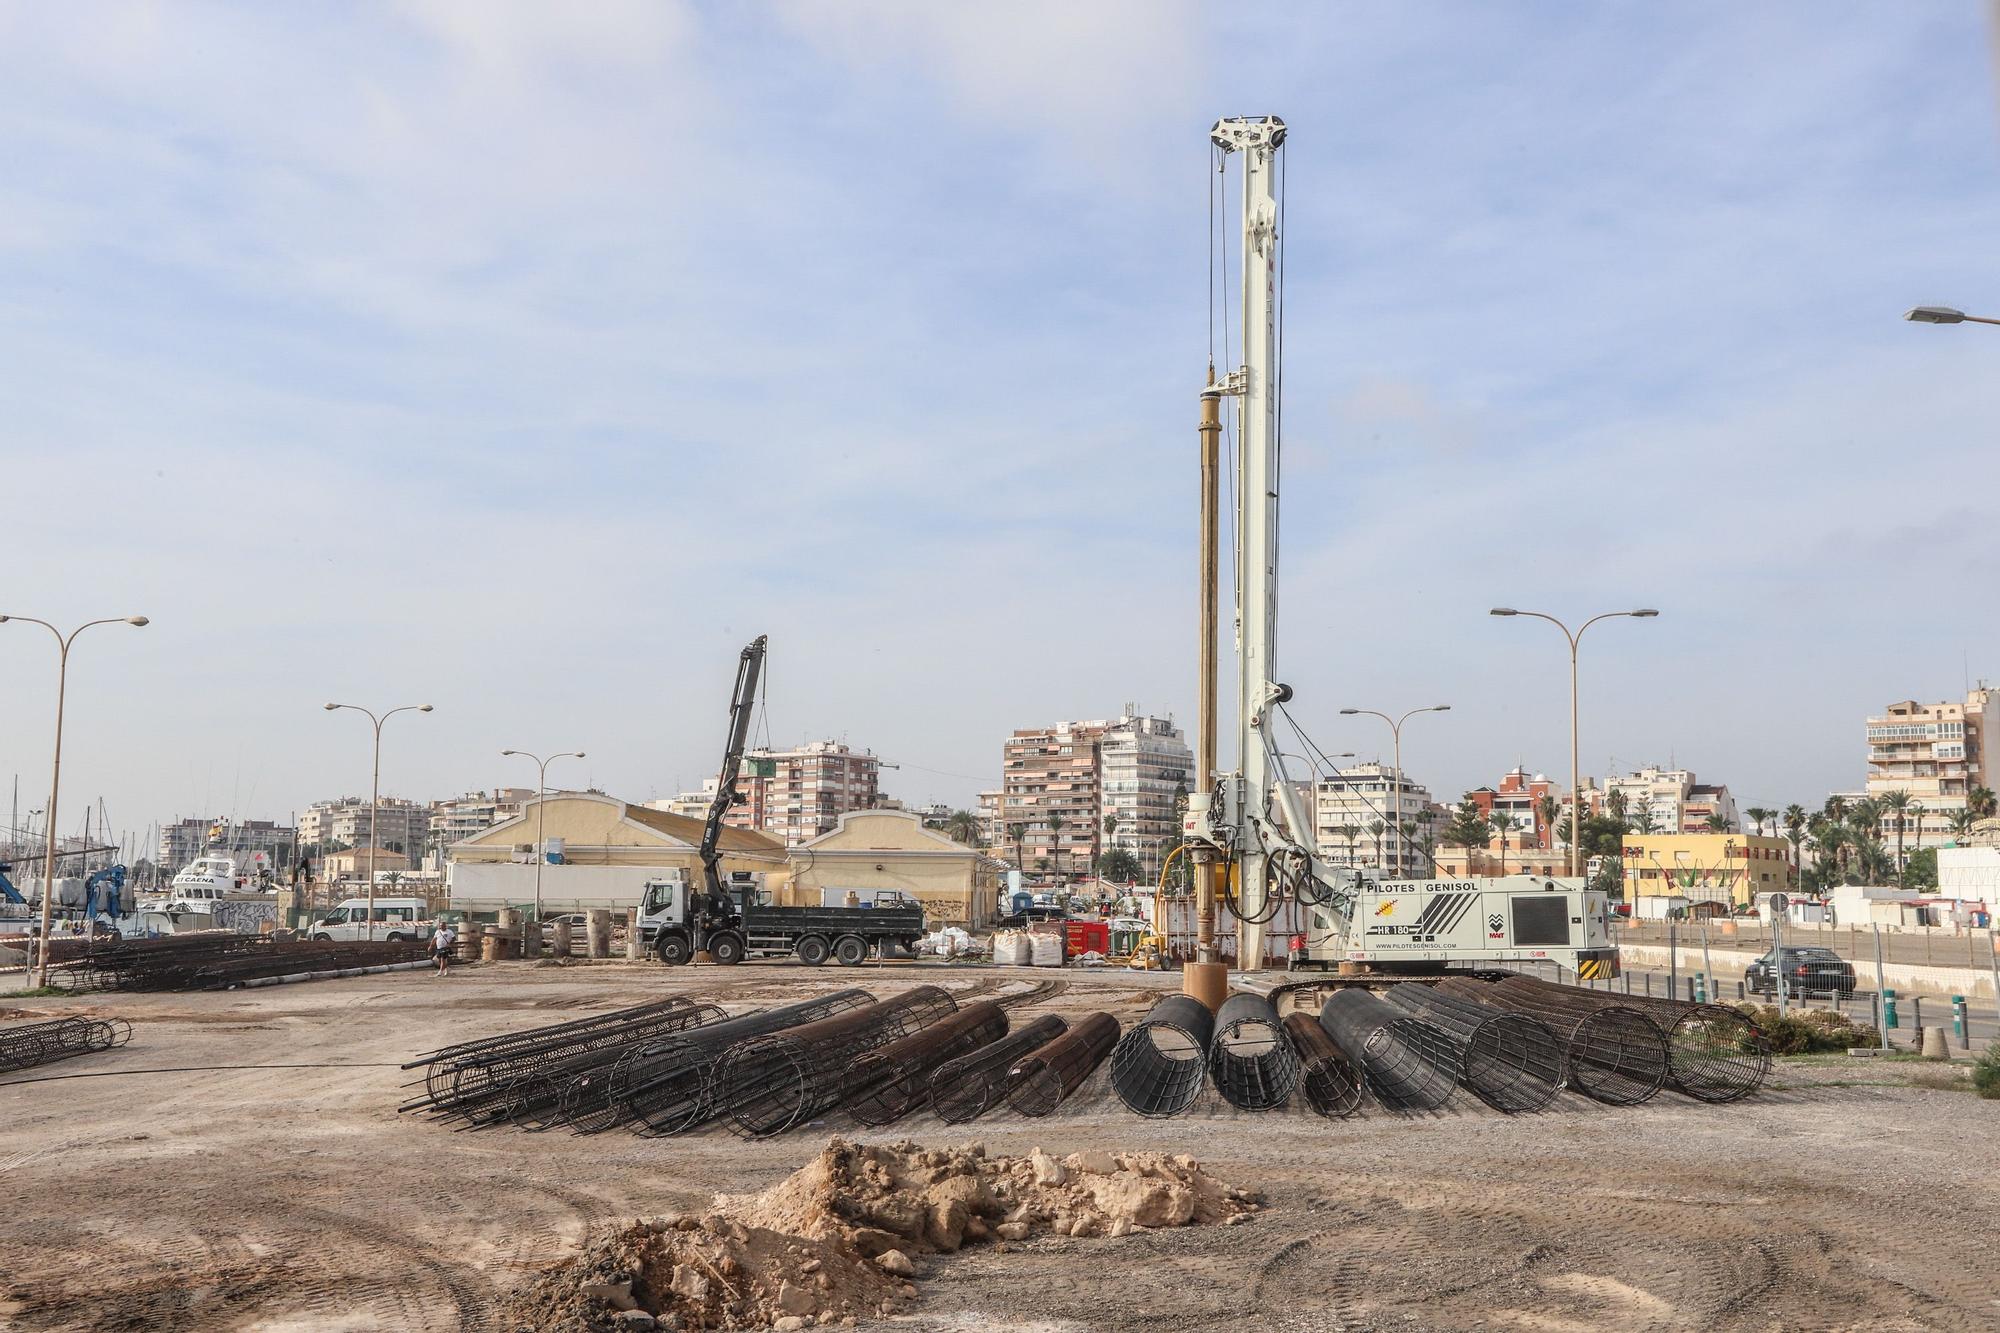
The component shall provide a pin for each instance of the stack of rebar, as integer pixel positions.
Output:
(887, 1084)
(26, 1045)
(1510, 1061)
(218, 960)
(773, 1083)
(1251, 1059)
(522, 1074)
(1714, 1053)
(967, 1087)
(667, 1087)
(1158, 1066)
(1043, 1079)
(1612, 1053)
(1406, 1062)
(1328, 1082)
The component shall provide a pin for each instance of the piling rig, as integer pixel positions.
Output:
(1250, 836)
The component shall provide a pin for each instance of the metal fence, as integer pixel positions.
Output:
(1939, 946)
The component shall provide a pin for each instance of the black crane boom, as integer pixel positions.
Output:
(748, 667)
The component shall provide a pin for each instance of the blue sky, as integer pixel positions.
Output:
(527, 360)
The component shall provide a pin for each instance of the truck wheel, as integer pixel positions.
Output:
(396, 938)
(670, 948)
(813, 950)
(322, 938)
(726, 948)
(849, 950)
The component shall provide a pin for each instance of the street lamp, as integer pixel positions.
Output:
(63, 641)
(1944, 314)
(1575, 759)
(375, 790)
(1396, 735)
(541, 787)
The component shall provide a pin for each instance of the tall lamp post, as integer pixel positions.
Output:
(375, 790)
(1396, 736)
(541, 789)
(1575, 754)
(1944, 314)
(63, 641)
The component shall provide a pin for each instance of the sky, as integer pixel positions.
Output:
(528, 360)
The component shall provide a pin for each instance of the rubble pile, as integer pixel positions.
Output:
(838, 1241)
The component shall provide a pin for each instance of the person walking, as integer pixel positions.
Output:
(442, 940)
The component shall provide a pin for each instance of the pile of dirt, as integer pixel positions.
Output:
(837, 1241)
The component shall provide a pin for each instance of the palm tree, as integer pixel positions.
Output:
(1915, 814)
(1719, 822)
(1352, 834)
(962, 826)
(1982, 802)
(1376, 827)
(1759, 816)
(1018, 834)
(1831, 843)
(1961, 822)
(1547, 808)
(1897, 803)
(1871, 859)
(1865, 816)
(1617, 805)
(1643, 822)
(1795, 833)
(1056, 824)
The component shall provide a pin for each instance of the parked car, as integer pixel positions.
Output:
(395, 919)
(1807, 971)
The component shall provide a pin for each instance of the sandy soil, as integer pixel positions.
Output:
(296, 1198)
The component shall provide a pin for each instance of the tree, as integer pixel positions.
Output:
(1641, 823)
(1719, 822)
(1872, 861)
(1897, 804)
(1759, 816)
(1865, 817)
(963, 826)
(1119, 866)
(1110, 827)
(1548, 808)
(1915, 814)
(1351, 834)
(1961, 822)
(1056, 824)
(1375, 826)
(1982, 802)
(1042, 863)
(1795, 833)
(1921, 872)
(1616, 804)
(1468, 828)
(1017, 834)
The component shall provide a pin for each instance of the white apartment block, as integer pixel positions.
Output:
(1371, 815)
(400, 825)
(461, 817)
(1132, 768)
(1144, 768)
(1670, 801)
(1938, 753)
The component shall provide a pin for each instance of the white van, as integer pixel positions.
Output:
(395, 919)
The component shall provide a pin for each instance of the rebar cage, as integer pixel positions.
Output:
(1714, 1053)
(1408, 1064)
(887, 1084)
(1251, 1059)
(1512, 1062)
(1158, 1067)
(1043, 1079)
(1328, 1083)
(966, 1088)
(1613, 1053)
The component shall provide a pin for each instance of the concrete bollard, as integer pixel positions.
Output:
(635, 948)
(1936, 1045)
(597, 929)
(561, 947)
(491, 945)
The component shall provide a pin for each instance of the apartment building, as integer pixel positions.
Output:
(1938, 753)
(1517, 804)
(1059, 784)
(793, 795)
(255, 843)
(1372, 815)
(460, 817)
(1670, 801)
(400, 825)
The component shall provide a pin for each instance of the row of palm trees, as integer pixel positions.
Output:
(1848, 838)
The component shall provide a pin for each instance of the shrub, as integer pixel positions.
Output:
(1808, 1031)
(1986, 1071)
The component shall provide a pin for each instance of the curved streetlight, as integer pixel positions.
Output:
(541, 843)
(1396, 735)
(375, 790)
(1944, 314)
(63, 641)
(1575, 760)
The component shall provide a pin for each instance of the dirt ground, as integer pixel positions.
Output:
(295, 1198)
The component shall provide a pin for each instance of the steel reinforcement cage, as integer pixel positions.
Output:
(1046, 1077)
(30, 1044)
(1512, 1062)
(1328, 1083)
(1158, 1067)
(1251, 1060)
(1612, 1053)
(887, 1084)
(767, 1085)
(1715, 1054)
(966, 1088)
(663, 1087)
(1408, 1064)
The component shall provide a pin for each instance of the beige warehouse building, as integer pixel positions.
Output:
(874, 850)
(608, 850)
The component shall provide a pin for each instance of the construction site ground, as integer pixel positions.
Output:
(268, 1183)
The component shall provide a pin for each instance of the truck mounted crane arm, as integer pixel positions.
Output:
(749, 665)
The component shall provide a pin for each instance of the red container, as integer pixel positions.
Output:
(1081, 937)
